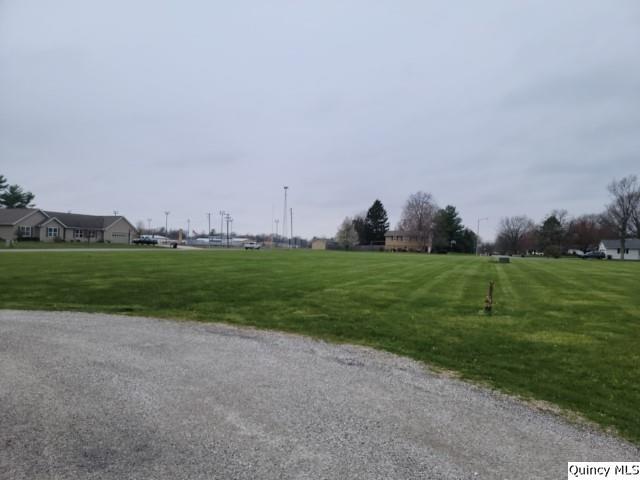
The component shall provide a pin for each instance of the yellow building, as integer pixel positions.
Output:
(399, 241)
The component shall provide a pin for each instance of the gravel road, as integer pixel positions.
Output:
(111, 397)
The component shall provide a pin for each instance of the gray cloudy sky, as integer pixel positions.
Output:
(496, 107)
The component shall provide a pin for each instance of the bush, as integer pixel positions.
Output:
(553, 251)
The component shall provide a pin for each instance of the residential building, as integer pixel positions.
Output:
(47, 226)
(400, 241)
(613, 249)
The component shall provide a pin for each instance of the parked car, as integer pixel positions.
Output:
(145, 241)
(252, 246)
(595, 254)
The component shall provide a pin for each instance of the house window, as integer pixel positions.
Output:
(25, 231)
(52, 231)
(77, 234)
(626, 250)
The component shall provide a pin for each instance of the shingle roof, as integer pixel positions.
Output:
(633, 243)
(9, 216)
(77, 220)
(393, 233)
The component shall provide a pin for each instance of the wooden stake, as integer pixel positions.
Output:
(488, 301)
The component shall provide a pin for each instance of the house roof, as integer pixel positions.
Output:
(392, 233)
(77, 220)
(632, 243)
(10, 216)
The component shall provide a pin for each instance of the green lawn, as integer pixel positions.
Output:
(564, 331)
(65, 245)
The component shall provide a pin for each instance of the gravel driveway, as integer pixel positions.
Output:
(113, 397)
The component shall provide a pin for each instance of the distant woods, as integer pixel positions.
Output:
(14, 196)
(437, 229)
(559, 232)
(441, 230)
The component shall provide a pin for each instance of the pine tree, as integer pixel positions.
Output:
(448, 230)
(376, 222)
(15, 197)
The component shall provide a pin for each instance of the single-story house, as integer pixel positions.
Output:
(613, 248)
(399, 241)
(46, 226)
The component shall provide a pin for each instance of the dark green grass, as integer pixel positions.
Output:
(65, 245)
(563, 331)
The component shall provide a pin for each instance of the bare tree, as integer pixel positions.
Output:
(635, 218)
(347, 236)
(625, 202)
(418, 217)
(515, 234)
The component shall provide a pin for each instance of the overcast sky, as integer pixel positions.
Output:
(496, 107)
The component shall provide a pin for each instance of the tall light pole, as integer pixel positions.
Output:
(478, 234)
(149, 224)
(166, 223)
(209, 231)
(115, 213)
(227, 217)
(188, 227)
(276, 221)
(291, 228)
(284, 216)
(222, 213)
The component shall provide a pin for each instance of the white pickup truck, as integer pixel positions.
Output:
(252, 246)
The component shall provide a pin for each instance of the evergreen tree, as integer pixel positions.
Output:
(3, 183)
(448, 230)
(360, 225)
(15, 197)
(551, 233)
(376, 223)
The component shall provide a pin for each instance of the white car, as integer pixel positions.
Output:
(252, 246)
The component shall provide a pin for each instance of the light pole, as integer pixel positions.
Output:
(478, 234)
(166, 223)
(277, 221)
(115, 213)
(227, 217)
(188, 227)
(291, 228)
(284, 217)
(222, 213)
(149, 224)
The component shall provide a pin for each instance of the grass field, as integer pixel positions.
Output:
(564, 331)
(65, 245)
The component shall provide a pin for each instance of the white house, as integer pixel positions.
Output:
(612, 248)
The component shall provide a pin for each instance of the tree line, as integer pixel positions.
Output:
(437, 229)
(559, 232)
(14, 196)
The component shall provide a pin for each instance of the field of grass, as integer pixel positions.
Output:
(564, 331)
(65, 245)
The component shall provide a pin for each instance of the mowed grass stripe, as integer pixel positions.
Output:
(564, 331)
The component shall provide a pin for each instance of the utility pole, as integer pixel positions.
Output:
(478, 235)
(284, 216)
(166, 223)
(291, 228)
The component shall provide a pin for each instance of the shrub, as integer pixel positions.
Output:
(553, 251)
